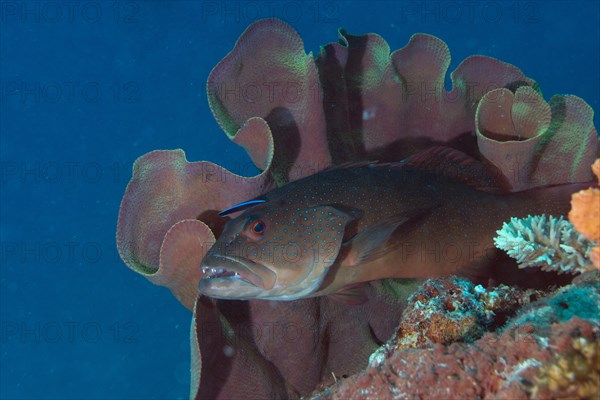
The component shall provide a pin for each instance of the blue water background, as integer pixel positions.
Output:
(76, 322)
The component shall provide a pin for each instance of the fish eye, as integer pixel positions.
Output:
(256, 228)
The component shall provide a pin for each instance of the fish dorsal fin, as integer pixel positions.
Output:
(447, 162)
(455, 165)
(351, 164)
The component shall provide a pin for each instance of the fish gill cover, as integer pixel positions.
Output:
(356, 100)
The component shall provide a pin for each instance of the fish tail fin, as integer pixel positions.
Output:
(500, 268)
(497, 267)
(551, 200)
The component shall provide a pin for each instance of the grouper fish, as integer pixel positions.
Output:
(432, 215)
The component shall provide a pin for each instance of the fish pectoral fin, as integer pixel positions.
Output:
(354, 213)
(349, 216)
(379, 239)
(354, 294)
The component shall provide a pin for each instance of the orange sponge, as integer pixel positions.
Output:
(585, 214)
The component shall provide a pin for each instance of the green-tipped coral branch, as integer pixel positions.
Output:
(549, 243)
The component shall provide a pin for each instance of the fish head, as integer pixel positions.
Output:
(276, 252)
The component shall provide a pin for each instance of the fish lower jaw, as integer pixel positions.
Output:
(229, 288)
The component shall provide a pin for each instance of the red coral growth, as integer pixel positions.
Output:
(496, 366)
(516, 363)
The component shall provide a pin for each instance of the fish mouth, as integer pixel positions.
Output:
(228, 273)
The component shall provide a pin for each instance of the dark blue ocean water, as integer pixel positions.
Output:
(87, 87)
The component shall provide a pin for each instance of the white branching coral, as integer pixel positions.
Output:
(549, 243)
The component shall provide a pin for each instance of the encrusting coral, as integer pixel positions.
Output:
(549, 243)
(575, 374)
(585, 214)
